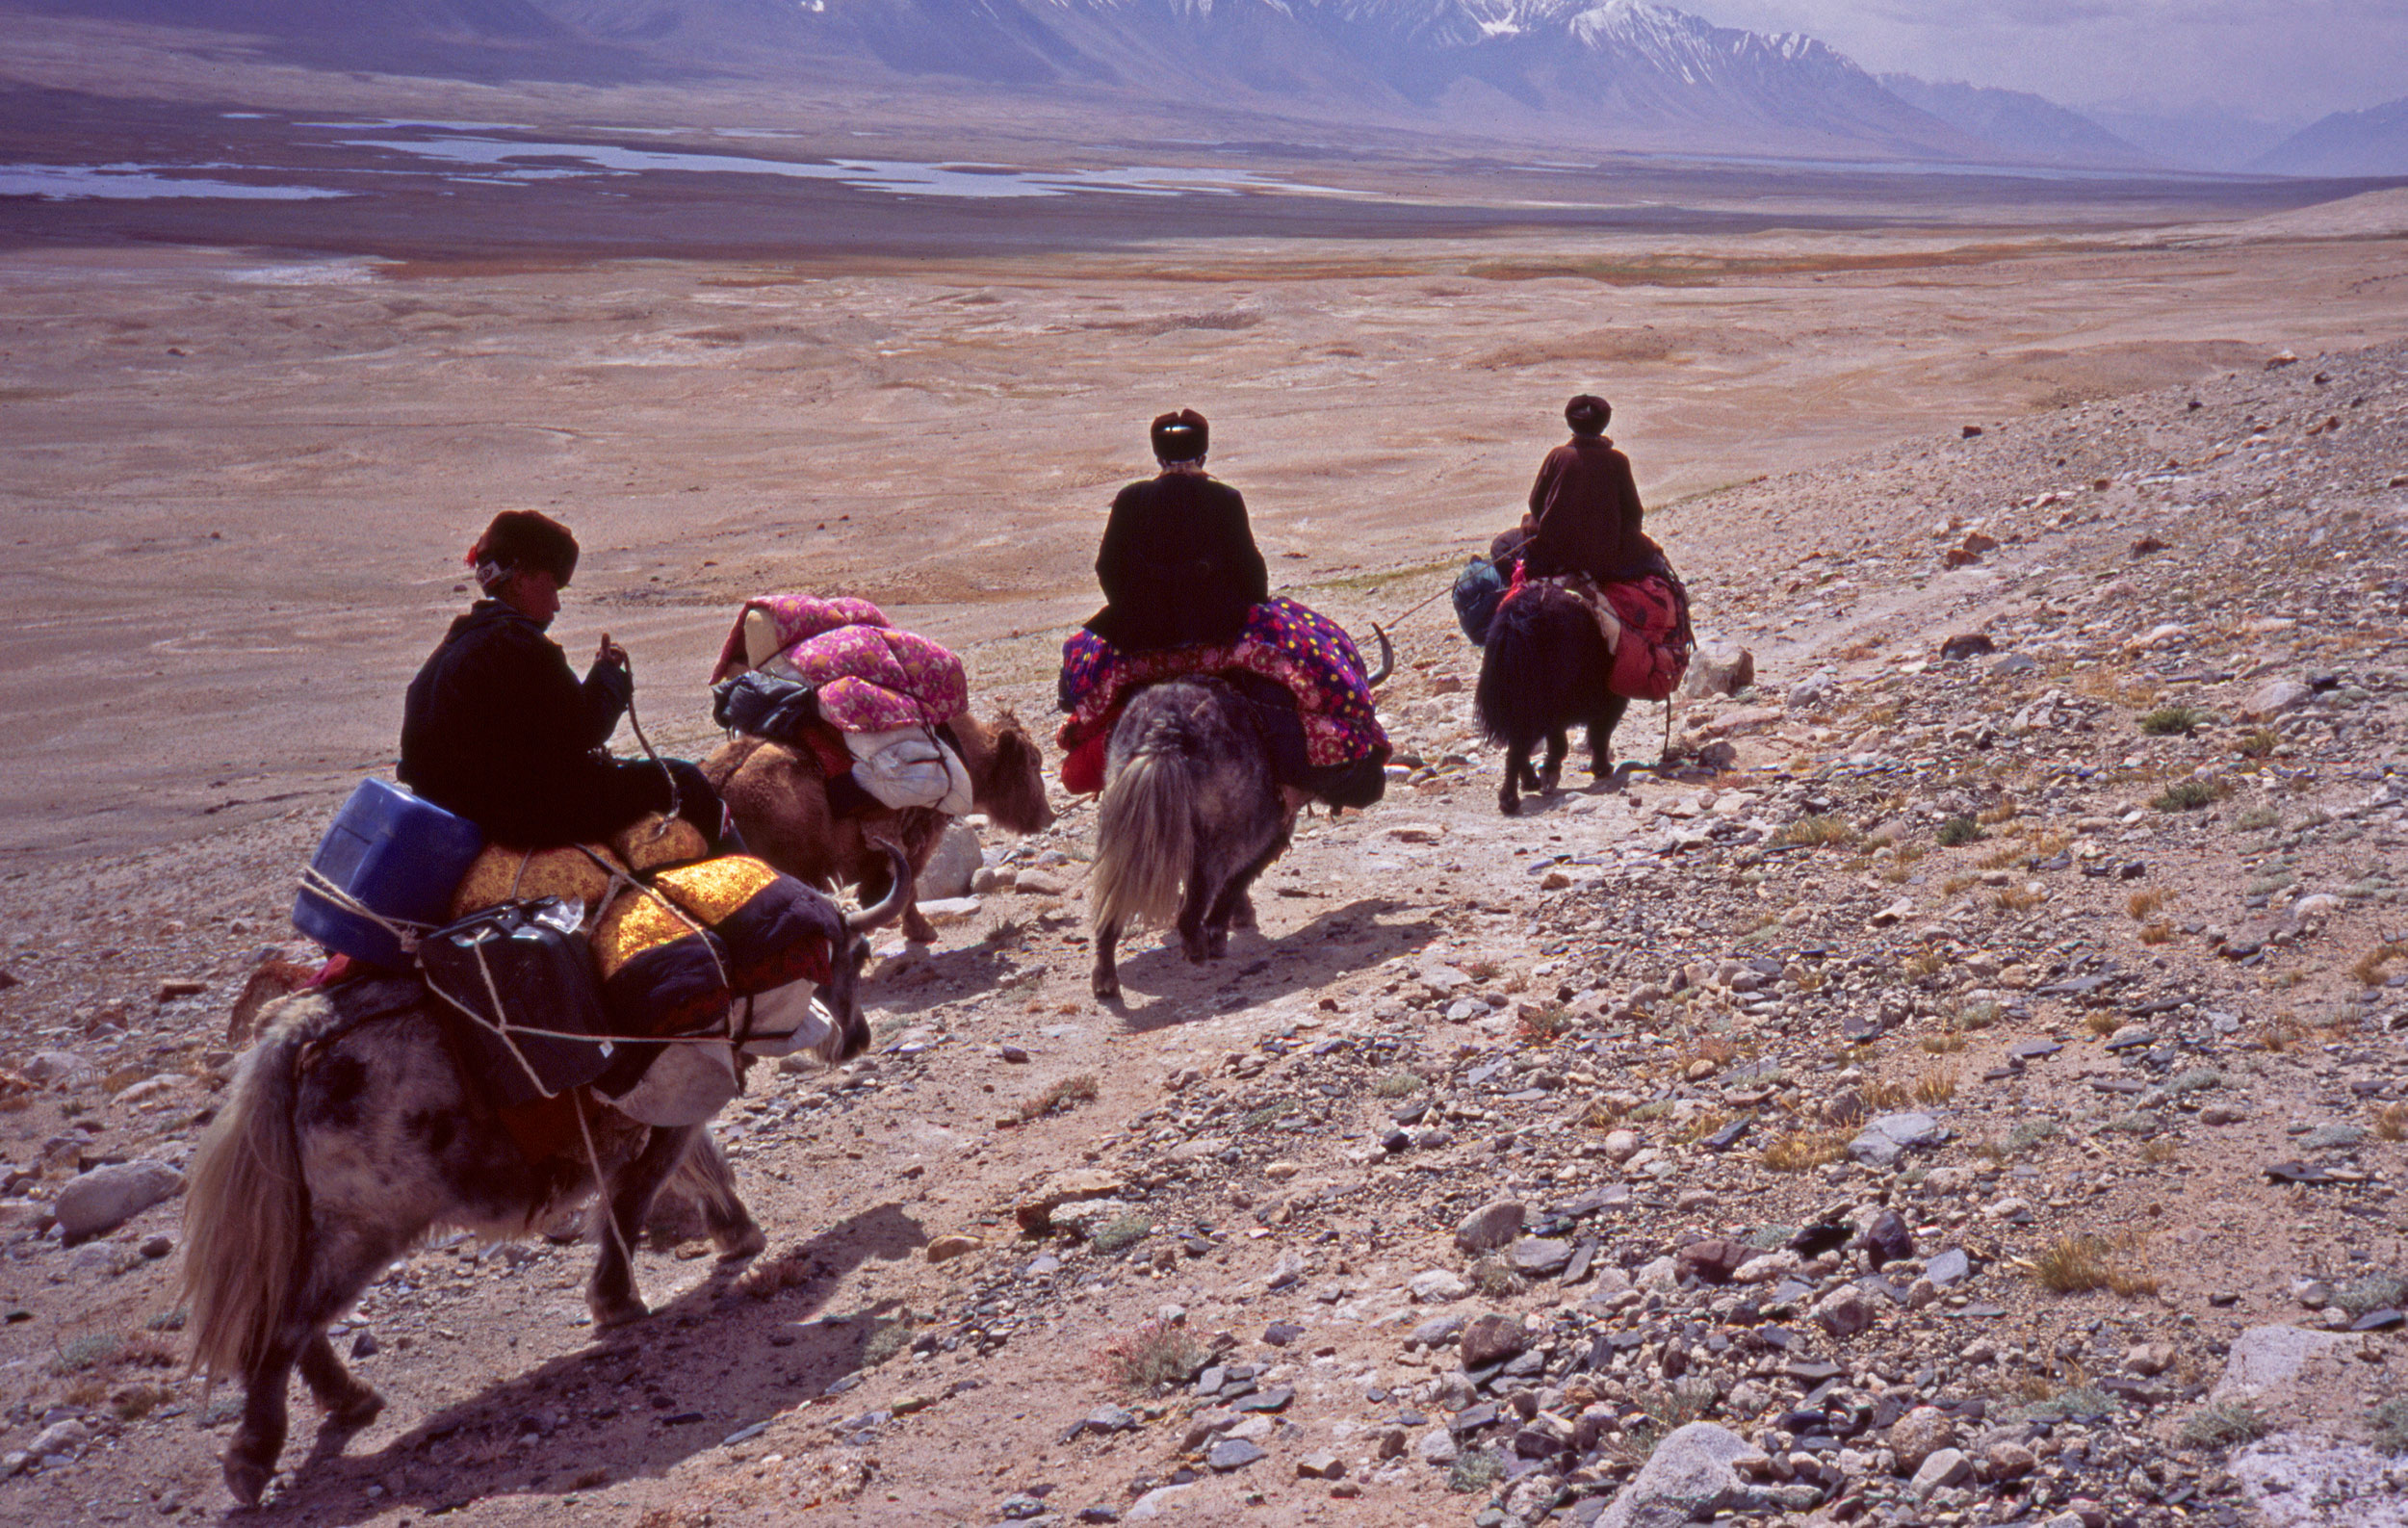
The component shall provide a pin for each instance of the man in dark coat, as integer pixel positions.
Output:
(499, 728)
(1585, 512)
(1179, 563)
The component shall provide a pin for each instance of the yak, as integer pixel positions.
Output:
(1192, 813)
(1544, 666)
(352, 1130)
(778, 796)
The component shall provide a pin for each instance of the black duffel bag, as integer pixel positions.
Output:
(765, 706)
(510, 969)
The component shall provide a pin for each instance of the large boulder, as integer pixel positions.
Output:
(1720, 668)
(956, 860)
(2265, 1359)
(106, 1198)
(1492, 1339)
(1689, 1477)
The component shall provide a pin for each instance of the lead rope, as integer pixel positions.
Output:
(659, 829)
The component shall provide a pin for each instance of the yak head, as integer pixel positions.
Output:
(849, 1035)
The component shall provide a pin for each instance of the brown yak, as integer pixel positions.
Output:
(779, 799)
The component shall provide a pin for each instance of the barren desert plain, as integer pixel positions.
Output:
(247, 438)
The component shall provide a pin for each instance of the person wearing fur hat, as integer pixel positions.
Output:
(1584, 508)
(1179, 563)
(499, 728)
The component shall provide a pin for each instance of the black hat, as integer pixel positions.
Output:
(1587, 414)
(525, 539)
(1181, 436)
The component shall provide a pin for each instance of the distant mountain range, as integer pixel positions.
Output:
(1591, 74)
(2373, 141)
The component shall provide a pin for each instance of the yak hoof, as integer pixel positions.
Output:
(737, 1246)
(1508, 802)
(246, 1477)
(620, 1312)
(1107, 986)
(916, 930)
(1242, 916)
(362, 1408)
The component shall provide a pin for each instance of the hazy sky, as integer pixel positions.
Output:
(2261, 58)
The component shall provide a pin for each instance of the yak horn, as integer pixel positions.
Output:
(1387, 658)
(898, 893)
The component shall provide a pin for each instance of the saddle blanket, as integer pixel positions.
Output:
(1284, 641)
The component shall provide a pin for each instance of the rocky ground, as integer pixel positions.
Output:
(1961, 1082)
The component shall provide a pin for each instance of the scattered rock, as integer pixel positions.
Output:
(1919, 1434)
(950, 869)
(1035, 1213)
(106, 1198)
(1492, 1339)
(2265, 1359)
(1491, 1226)
(945, 1249)
(1689, 1477)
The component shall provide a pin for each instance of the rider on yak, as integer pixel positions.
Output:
(1186, 592)
(499, 728)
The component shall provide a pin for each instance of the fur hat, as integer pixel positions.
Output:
(1588, 414)
(1181, 436)
(525, 539)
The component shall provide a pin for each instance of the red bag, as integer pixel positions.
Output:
(1654, 655)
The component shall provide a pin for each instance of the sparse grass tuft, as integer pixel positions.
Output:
(1662, 1414)
(1821, 832)
(1474, 1470)
(2368, 968)
(2253, 819)
(1079, 1089)
(1957, 832)
(1804, 1151)
(1125, 1230)
(2081, 1262)
(1979, 1016)
(1998, 816)
(887, 1338)
(2178, 720)
(2188, 796)
(1946, 1043)
(2258, 743)
(1880, 1094)
(2391, 1121)
(1496, 1279)
(1936, 1085)
(2389, 1421)
(1150, 1357)
(2159, 1152)
(2160, 932)
(2145, 905)
(1544, 1026)
(2374, 1292)
(2101, 1022)
(2220, 1425)
(1399, 1084)
(2018, 900)
(1930, 963)
(88, 1352)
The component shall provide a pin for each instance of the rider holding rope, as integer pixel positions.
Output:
(499, 728)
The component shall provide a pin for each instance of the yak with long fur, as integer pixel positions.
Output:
(779, 798)
(1190, 816)
(351, 1132)
(1542, 669)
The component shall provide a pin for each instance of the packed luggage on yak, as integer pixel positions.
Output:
(848, 734)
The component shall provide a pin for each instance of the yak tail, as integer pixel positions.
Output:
(246, 1211)
(1145, 837)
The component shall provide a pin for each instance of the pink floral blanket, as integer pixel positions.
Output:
(872, 676)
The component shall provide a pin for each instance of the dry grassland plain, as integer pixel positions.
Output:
(247, 441)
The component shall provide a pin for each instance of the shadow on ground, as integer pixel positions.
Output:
(744, 1346)
(1257, 968)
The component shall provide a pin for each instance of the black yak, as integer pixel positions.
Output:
(1545, 668)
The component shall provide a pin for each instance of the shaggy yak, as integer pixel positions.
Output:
(779, 799)
(1189, 801)
(351, 1132)
(1544, 667)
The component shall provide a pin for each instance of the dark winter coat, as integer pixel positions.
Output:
(1178, 564)
(1589, 514)
(498, 728)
